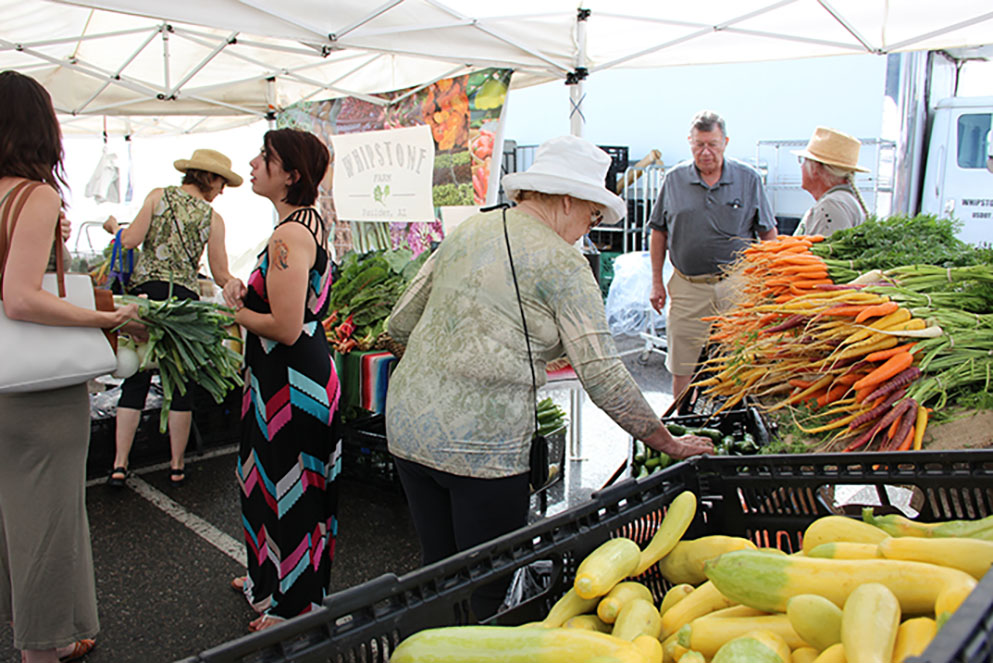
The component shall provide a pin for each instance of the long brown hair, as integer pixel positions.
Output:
(30, 137)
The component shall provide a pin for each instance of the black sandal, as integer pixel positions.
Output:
(115, 481)
(177, 476)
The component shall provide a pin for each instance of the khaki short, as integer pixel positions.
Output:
(685, 332)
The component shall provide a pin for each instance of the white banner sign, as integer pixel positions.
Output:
(384, 175)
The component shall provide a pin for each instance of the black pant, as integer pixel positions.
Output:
(453, 513)
(134, 389)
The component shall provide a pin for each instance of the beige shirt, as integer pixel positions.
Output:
(837, 209)
(461, 400)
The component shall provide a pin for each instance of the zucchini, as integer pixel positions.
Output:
(714, 434)
(676, 430)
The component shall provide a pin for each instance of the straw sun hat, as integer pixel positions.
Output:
(834, 148)
(211, 161)
(569, 166)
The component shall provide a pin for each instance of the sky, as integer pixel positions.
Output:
(640, 109)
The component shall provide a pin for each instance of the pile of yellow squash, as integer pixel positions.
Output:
(859, 592)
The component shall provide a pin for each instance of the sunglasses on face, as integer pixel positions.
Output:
(596, 217)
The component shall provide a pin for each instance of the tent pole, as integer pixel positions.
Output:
(577, 121)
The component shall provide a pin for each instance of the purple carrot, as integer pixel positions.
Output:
(897, 411)
(793, 321)
(900, 379)
(909, 417)
(877, 411)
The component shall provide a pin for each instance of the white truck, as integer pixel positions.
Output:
(958, 181)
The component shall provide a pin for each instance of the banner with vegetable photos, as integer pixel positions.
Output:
(384, 175)
(464, 116)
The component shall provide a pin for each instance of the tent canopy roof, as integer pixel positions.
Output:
(148, 59)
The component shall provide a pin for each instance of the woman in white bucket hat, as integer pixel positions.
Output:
(173, 227)
(460, 406)
(828, 165)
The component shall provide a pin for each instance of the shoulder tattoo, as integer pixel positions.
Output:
(281, 259)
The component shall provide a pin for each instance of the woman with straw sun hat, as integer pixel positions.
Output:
(504, 293)
(174, 225)
(828, 165)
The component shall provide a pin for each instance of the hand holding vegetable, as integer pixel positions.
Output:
(234, 293)
(679, 447)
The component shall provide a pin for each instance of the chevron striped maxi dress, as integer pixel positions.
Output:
(289, 455)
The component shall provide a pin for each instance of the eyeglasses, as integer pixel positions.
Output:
(700, 146)
(596, 217)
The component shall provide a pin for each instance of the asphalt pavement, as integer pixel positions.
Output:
(164, 556)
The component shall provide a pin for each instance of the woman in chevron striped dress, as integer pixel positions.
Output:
(289, 456)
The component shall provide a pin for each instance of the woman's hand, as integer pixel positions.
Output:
(679, 447)
(234, 293)
(136, 330)
(110, 225)
(122, 315)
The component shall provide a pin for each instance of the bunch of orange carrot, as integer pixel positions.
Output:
(840, 358)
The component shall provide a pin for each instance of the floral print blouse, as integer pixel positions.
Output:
(170, 252)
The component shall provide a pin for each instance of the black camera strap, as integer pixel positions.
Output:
(524, 323)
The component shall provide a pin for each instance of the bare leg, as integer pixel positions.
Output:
(40, 656)
(127, 425)
(179, 436)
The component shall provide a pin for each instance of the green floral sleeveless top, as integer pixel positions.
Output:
(171, 252)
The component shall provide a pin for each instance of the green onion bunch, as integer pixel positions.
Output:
(186, 341)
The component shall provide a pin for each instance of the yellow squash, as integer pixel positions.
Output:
(566, 608)
(708, 634)
(869, 624)
(606, 566)
(621, 593)
(973, 556)
(755, 647)
(815, 619)
(831, 529)
(675, 594)
(685, 563)
(677, 519)
(845, 550)
(804, 655)
(650, 648)
(833, 654)
(767, 582)
(705, 599)
(588, 622)
(637, 617)
(913, 637)
(508, 644)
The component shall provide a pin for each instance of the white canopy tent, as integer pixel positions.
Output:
(189, 65)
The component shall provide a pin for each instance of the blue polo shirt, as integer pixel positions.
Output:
(708, 225)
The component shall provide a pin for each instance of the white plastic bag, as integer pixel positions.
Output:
(628, 309)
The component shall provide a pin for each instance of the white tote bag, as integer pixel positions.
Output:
(39, 357)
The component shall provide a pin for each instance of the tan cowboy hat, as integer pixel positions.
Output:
(834, 148)
(211, 161)
(571, 166)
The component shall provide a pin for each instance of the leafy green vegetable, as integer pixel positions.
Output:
(186, 341)
(896, 241)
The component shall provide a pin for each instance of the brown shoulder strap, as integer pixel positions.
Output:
(15, 200)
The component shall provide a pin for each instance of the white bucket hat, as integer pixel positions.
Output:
(569, 166)
(211, 161)
(834, 148)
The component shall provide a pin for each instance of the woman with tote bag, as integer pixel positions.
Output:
(46, 573)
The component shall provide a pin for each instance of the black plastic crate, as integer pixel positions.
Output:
(767, 499)
(734, 421)
(364, 453)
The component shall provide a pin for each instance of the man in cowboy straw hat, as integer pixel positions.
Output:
(710, 208)
(173, 226)
(461, 404)
(828, 167)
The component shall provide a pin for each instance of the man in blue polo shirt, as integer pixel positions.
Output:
(709, 209)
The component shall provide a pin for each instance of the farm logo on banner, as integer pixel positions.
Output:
(384, 175)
